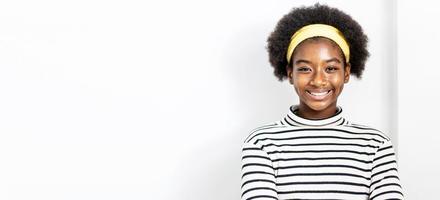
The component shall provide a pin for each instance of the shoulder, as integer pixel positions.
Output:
(258, 133)
(375, 133)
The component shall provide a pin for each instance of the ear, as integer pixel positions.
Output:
(347, 72)
(289, 74)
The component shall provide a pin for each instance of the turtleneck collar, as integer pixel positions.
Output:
(292, 119)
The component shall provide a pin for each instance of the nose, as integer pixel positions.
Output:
(319, 79)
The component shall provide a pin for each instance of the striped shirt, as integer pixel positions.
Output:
(332, 158)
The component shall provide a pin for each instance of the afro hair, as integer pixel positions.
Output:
(279, 39)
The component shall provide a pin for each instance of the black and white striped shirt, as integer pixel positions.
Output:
(332, 158)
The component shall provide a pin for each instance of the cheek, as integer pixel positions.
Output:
(338, 83)
(337, 80)
(300, 84)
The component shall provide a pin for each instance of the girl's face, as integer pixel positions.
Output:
(318, 76)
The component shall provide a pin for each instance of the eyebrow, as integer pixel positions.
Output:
(333, 60)
(309, 62)
(304, 61)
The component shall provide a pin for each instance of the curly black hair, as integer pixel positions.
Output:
(279, 39)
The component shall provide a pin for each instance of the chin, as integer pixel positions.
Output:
(318, 106)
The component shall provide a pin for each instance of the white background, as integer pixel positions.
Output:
(152, 100)
(418, 83)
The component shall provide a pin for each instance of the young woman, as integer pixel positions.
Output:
(314, 152)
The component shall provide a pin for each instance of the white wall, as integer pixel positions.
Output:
(418, 79)
(152, 100)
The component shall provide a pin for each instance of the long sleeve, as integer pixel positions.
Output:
(257, 174)
(385, 182)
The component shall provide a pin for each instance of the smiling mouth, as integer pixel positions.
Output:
(319, 95)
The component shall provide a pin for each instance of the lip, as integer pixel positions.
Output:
(319, 97)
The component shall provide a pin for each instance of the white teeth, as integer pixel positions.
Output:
(319, 94)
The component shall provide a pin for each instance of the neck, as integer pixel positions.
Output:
(305, 111)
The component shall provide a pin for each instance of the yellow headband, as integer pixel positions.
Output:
(321, 30)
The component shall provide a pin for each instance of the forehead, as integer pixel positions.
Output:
(317, 47)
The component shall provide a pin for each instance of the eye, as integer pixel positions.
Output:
(332, 68)
(303, 69)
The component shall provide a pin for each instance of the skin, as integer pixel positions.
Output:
(318, 65)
